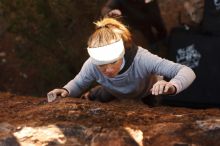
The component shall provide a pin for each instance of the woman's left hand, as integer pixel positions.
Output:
(163, 87)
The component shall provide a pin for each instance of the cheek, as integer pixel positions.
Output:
(111, 69)
(116, 69)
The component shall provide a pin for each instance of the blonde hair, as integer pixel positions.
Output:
(109, 30)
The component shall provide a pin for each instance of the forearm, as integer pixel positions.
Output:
(73, 89)
(183, 79)
(77, 86)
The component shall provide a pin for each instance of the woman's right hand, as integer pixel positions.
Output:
(52, 95)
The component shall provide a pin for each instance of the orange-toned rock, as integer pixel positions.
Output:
(73, 121)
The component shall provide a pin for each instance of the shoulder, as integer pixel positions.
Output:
(88, 65)
(146, 58)
(143, 53)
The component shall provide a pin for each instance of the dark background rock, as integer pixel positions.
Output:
(44, 41)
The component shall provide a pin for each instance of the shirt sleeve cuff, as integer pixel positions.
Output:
(177, 85)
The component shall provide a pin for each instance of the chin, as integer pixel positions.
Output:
(110, 76)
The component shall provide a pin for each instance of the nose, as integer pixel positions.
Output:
(108, 70)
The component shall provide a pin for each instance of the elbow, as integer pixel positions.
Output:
(194, 75)
(189, 74)
(183, 79)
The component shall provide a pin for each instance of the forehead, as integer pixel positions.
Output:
(107, 54)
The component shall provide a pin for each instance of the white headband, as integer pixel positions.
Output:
(107, 54)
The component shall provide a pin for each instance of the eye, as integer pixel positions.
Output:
(101, 66)
(114, 62)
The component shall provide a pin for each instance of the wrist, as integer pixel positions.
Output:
(174, 91)
(66, 90)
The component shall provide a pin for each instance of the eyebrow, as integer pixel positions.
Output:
(113, 62)
(108, 63)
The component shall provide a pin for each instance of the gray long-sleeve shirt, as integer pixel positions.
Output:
(135, 82)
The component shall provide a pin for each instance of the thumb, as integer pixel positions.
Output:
(64, 94)
(167, 87)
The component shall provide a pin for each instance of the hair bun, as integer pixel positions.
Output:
(111, 25)
(105, 23)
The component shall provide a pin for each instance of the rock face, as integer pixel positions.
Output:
(71, 121)
(177, 12)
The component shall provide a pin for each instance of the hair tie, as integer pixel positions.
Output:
(103, 26)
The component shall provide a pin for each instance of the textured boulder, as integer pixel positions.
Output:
(73, 121)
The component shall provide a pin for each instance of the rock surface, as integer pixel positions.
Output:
(71, 121)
